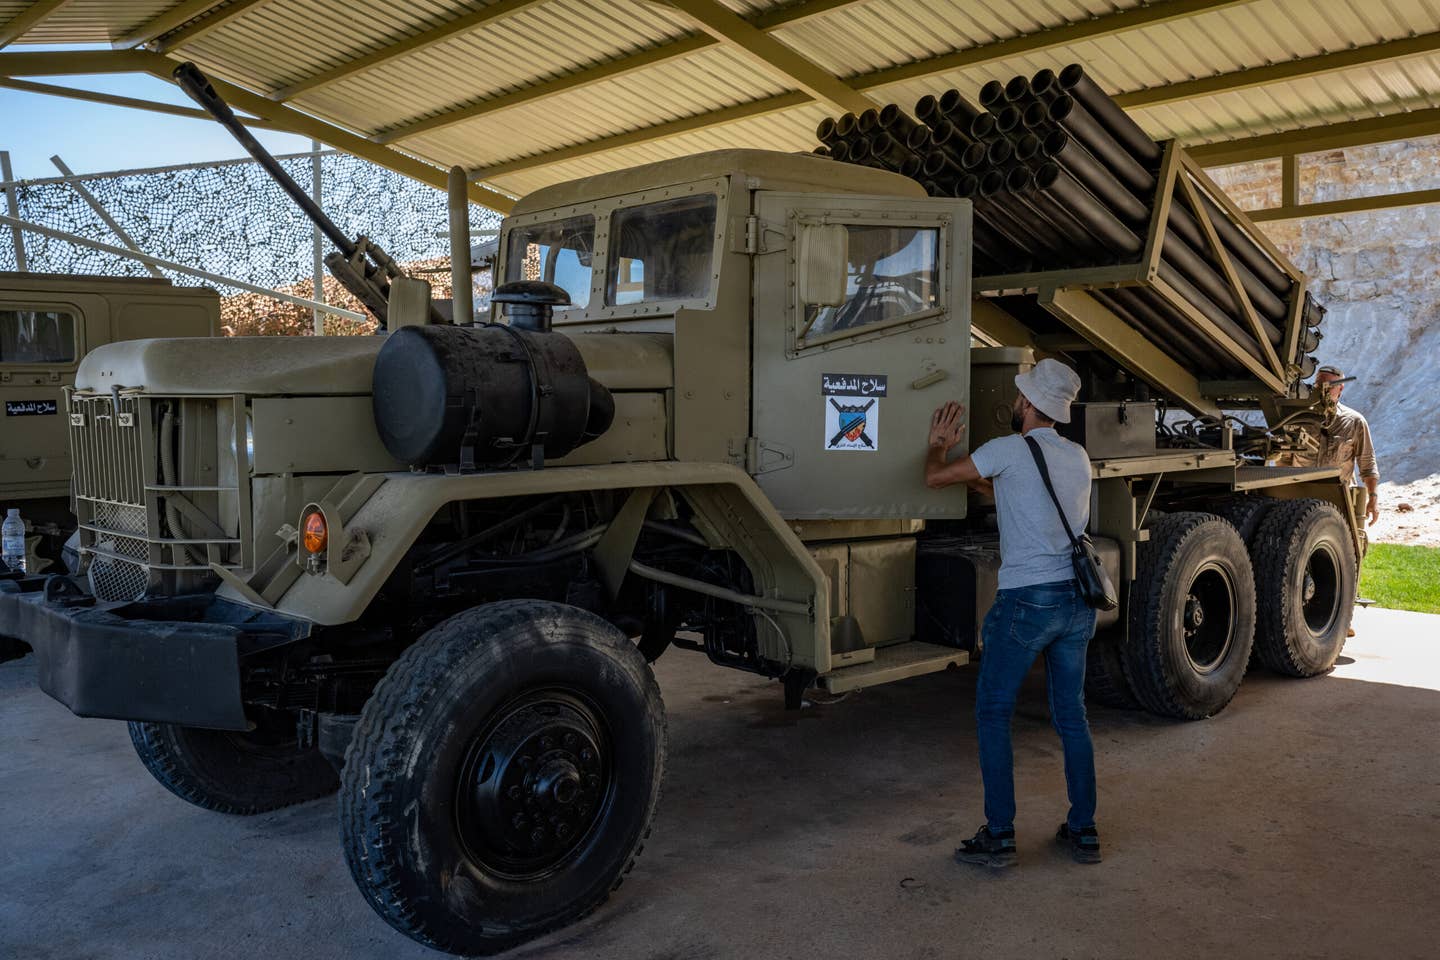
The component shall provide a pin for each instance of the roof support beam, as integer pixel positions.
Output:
(27, 19)
(1332, 208)
(292, 121)
(270, 115)
(1366, 56)
(1325, 136)
(199, 28)
(1130, 19)
(470, 21)
(114, 100)
(176, 16)
(62, 63)
(772, 55)
(630, 138)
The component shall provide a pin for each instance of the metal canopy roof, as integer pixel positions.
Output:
(526, 93)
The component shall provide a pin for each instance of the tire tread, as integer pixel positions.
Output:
(398, 705)
(1144, 658)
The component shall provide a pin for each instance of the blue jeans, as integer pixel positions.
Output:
(1049, 618)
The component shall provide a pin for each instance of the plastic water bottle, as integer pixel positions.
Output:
(12, 536)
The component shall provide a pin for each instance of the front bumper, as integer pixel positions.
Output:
(174, 660)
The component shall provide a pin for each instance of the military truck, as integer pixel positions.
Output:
(47, 324)
(428, 569)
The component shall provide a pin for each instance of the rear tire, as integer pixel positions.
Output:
(1192, 617)
(503, 776)
(242, 773)
(1305, 574)
(1246, 514)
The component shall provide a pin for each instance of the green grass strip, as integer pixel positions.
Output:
(1402, 577)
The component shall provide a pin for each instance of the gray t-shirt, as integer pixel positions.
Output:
(1033, 545)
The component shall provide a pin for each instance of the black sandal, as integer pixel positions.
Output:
(1084, 844)
(987, 849)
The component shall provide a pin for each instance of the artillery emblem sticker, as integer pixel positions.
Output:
(852, 410)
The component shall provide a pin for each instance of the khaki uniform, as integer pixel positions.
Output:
(1344, 444)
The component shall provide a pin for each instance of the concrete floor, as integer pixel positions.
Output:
(1304, 821)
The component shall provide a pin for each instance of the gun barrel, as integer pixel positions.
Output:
(197, 86)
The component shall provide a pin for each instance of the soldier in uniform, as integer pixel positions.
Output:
(1344, 443)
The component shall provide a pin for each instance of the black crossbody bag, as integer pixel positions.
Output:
(1095, 584)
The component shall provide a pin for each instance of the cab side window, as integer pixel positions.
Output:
(37, 336)
(893, 273)
(662, 251)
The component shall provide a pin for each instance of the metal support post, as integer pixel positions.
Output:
(317, 243)
(462, 303)
(101, 212)
(12, 202)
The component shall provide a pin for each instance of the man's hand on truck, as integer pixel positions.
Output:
(947, 430)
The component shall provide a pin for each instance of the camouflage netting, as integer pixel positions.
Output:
(233, 220)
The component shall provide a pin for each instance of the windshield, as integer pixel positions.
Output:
(557, 252)
(662, 251)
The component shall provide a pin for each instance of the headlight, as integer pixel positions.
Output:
(249, 442)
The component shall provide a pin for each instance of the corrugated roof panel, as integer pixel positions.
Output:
(777, 132)
(559, 37)
(86, 21)
(669, 92)
(274, 44)
(352, 28)
(278, 42)
(1338, 97)
(858, 38)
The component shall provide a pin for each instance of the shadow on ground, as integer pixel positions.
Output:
(1303, 821)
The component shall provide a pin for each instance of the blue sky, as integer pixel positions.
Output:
(93, 137)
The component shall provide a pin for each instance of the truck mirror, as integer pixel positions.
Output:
(824, 262)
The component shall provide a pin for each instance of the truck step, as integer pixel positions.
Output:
(895, 663)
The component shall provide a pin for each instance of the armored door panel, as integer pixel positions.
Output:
(40, 347)
(844, 384)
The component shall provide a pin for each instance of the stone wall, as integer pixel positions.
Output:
(1379, 275)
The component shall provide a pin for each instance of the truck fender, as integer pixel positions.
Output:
(731, 511)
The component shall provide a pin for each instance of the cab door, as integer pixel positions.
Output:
(845, 384)
(41, 344)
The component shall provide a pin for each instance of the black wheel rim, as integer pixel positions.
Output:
(1208, 618)
(1320, 589)
(535, 784)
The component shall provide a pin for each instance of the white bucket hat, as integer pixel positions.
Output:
(1051, 387)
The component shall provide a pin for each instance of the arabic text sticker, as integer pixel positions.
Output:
(852, 423)
(854, 384)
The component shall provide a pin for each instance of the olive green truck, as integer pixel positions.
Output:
(428, 568)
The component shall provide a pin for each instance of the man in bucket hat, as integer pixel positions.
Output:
(1038, 610)
(1343, 443)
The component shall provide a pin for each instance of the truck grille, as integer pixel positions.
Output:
(161, 489)
(107, 452)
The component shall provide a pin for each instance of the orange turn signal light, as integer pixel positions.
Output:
(316, 534)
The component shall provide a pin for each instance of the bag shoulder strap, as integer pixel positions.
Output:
(1039, 456)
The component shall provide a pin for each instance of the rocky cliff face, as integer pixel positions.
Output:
(1379, 275)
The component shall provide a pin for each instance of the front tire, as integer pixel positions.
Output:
(503, 776)
(1105, 681)
(1305, 575)
(1192, 617)
(242, 773)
